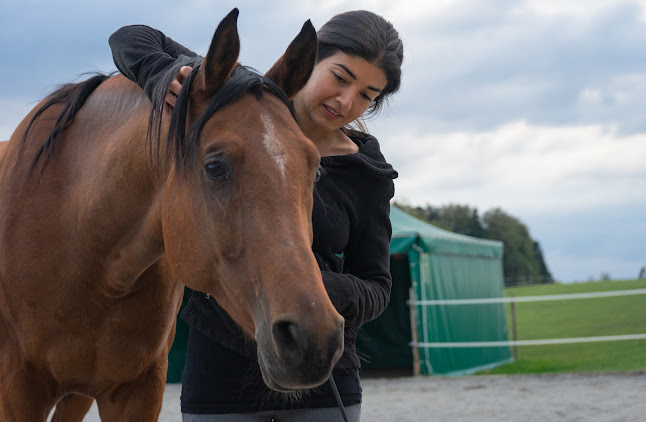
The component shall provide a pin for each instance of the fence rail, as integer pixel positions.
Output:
(515, 343)
(527, 298)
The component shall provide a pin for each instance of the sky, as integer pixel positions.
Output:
(537, 107)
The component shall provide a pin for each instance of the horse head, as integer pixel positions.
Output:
(237, 206)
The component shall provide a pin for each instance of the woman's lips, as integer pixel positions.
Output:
(331, 112)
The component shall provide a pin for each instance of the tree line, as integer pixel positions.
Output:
(523, 260)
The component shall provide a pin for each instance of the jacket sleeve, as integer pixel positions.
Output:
(142, 53)
(362, 291)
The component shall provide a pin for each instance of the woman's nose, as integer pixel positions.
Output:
(345, 98)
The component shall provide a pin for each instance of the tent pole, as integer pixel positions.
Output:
(413, 326)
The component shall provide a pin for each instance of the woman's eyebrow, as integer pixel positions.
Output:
(349, 72)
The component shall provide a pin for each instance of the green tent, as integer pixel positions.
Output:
(428, 263)
(434, 264)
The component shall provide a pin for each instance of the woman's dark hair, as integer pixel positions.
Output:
(364, 34)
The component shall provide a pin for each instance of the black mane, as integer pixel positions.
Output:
(74, 96)
(182, 143)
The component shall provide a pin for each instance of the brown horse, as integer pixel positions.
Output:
(100, 228)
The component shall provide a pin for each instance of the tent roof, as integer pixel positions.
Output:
(409, 230)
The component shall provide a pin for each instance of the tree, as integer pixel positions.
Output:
(460, 219)
(453, 217)
(542, 265)
(523, 257)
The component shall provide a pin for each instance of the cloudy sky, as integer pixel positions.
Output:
(537, 107)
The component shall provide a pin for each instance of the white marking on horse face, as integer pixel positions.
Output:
(272, 144)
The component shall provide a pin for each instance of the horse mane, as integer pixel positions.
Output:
(180, 143)
(74, 96)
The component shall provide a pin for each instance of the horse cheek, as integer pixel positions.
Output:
(182, 237)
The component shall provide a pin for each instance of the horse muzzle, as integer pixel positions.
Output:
(299, 355)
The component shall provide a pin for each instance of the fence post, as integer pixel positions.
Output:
(413, 329)
(514, 333)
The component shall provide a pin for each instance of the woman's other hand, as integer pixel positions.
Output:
(176, 85)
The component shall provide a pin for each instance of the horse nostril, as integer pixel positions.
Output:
(291, 340)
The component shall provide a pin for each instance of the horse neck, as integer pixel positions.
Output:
(121, 184)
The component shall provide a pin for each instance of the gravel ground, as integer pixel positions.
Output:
(605, 397)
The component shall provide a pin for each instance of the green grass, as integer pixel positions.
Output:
(579, 318)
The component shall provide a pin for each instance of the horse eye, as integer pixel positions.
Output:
(318, 175)
(217, 170)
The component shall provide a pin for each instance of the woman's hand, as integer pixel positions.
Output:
(176, 85)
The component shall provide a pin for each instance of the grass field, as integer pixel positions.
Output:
(579, 318)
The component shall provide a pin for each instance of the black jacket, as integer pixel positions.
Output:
(350, 217)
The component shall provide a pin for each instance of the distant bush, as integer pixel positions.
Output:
(523, 261)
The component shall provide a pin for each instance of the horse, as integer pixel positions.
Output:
(109, 207)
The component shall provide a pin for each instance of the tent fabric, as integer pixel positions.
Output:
(409, 230)
(453, 277)
(442, 265)
(384, 342)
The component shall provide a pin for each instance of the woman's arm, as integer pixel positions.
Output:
(142, 53)
(362, 292)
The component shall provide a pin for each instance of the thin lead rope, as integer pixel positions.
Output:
(338, 398)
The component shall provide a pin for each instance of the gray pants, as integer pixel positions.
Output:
(331, 414)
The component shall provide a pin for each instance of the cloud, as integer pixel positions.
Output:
(579, 189)
(589, 266)
(481, 66)
(521, 167)
(580, 9)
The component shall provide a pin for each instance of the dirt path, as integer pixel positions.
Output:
(526, 398)
(616, 397)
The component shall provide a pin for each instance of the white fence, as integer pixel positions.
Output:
(513, 300)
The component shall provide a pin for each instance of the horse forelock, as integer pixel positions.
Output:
(158, 102)
(182, 143)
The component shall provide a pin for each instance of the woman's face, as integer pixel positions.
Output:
(340, 90)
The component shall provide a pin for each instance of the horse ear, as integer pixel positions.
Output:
(222, 56)
(292, 70)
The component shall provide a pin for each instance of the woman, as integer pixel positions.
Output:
(358, 67)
